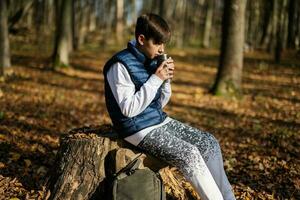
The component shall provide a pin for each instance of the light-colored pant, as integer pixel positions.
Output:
(195, 153)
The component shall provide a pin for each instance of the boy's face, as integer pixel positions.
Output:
(149, 48)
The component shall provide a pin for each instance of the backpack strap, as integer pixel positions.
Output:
(131, 166)
(162, 187)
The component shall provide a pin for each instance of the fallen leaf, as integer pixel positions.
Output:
(2, 137)
(2, 165)
(27, 162)
(14, 156)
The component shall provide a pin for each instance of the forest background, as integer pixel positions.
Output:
(237, 76)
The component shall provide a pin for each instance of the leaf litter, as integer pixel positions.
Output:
(259, 134)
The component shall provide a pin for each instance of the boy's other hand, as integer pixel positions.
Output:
(166, 69)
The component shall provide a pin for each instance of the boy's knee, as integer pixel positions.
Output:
(209, 147)
(193, 157)
(193, 161)
(214, 143)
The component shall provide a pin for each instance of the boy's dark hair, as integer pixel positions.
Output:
(154, 27)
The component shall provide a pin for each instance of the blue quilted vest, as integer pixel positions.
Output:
(140, 69)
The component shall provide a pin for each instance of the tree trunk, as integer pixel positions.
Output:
(298, 29)
(292, 23)
(119, 21)
(20, 13)
(181, 12)
(63, 39)
(49, 13)
(133, 11)
(267, 23)
(39, 8)
(75, 11)
(162, 10)
(259, 29)
(252, 24)
(92, 16)
(83, 23)
(87, 155)
(208, 23)
(107, 16)
(280, 30)
(229, 76)
(273, 36)
(154, 6)
(39, 12)
(4, 39)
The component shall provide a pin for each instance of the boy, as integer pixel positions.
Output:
(136, 90)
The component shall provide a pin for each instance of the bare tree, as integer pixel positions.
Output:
(208, 23)
(119, 20)
(162, 11)
(63, 39)
(4, 40)
(18, 10)
(229, 76)
(92, 16)
(82, 22)
(292, 23)
(252, 23)
(281, 29)
(180, 16)
(267, 27)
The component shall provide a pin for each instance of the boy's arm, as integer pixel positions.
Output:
(130, 102)
(166, 93)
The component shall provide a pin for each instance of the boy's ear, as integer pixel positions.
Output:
(141, 39)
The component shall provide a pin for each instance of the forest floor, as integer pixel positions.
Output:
(259, 134)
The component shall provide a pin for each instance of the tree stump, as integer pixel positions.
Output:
(87, 155)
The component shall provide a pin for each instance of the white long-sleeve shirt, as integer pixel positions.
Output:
(133, 103)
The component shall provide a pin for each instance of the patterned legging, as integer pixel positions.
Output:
(195, 153)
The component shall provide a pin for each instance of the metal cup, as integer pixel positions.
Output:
(161, 58)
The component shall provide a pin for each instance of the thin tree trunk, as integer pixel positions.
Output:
(119, 20)
(181, 11)
(154, 6)
(20, 13)
(273, 39)
(280, 30)
(83, 23)
(108, 17)
(74, 24)
(39, 22)
(298, 29)
(267, 23)
(39, 10)
(133, 11)
(229, 76)
(69, 26)
(292, 24)
(259, 28)
(92, 16)
(4, 39)
(162, 10)
(208, 23)
(49, 12)
(63, 39)
(252, 24)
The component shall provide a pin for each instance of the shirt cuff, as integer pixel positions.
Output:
(168, 81)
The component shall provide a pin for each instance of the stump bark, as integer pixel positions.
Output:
(87, 155)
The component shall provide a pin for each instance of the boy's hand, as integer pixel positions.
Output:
(166, 69)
